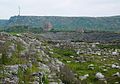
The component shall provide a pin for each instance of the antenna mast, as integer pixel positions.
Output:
(19, 11)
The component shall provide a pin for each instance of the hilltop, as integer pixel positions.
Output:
(65, 23)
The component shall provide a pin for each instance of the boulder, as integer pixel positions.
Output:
(116, 74)
(115, 66)
(99, 75)
(78, 52)
(38, 74)
(91, 66)
(35, 82)
(44, 67)
(84, 77)
(105, 70)
(53, 83)
(12, 68)
(2, 42)
(10, 50)
(115, 53)
(12, 80)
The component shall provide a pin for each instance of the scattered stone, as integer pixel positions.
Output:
(99, 75)
(29, 65)
(51, 52)
(105, 70)
(57, 45)
(24, 66)
(19, 35)
(84, 77)
(2, 42)
(91, 66)
(12, 80)
(53, 83)
(12, 68)
(78, 52)
(72, 56)
(68, 61)
(116, 74)
(35, 82)
(115, 53)
(10, 50)
(38, 74)
(44, 67)
(4, 34)
(115, 66)
(93, 45)
(59, 62)
(77, 61)
(117, 82)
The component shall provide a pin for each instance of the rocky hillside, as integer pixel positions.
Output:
(68, 23)
(29, 58)
(85, 36)
(26, 59)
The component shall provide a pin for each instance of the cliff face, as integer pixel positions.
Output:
(68, 23)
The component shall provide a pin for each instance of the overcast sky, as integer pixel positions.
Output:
(59, 7)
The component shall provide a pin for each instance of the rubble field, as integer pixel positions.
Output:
(28, 58)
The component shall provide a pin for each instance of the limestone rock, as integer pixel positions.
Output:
(84, 77)
(116, 74)
(99, 75)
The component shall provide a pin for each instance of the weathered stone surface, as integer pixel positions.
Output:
(84, 77)
(99, 75)
(44, 67)
(116, 74)
(2, 42)
(91, 66)
(12, 68)
(115, 66)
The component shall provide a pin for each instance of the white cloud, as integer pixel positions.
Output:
(60, 7)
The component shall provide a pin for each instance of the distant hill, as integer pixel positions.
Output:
(3, 23)
(66, 23)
